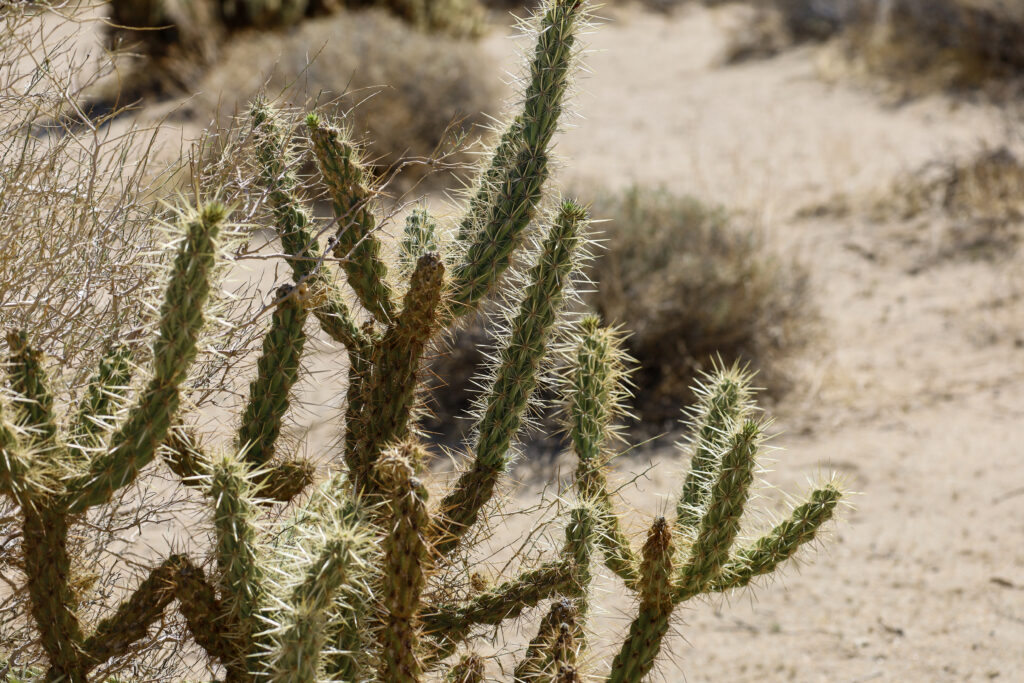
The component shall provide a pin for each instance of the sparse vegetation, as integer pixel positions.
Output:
(689, 283)
(408, 94)
(915, 46)
(359, 573)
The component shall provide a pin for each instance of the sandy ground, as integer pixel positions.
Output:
(913, 393)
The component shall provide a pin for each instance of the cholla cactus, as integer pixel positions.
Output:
(358, 580)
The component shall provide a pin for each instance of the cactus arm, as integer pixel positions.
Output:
(23, 480)
(580, 533)
(355, 420)
(637, 654)
(450, 624)
(516, 377)
(115, 635)
(293, 228)
(392, 383)
(469, 669)
(285, 480)
(618, 555)
(34, 410)
(538, 653)
(135, 443)
(418, 238)
(721, 521)
(516, 191)
(242, 576)
(48, 570)
(208, 622)
(184, 456)
(277, 370)
(780, 544)
(278, 483)
(504, 152)
(595, 394)
(355, 242)
(300, 638)
(346, 660)
(107, 389)
(720, 409)
(405, 559)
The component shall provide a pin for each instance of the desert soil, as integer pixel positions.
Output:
(913, 392)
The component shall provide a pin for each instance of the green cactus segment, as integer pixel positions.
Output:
(451, 624)
(545, 646)
(135, 443)
(391, 384)
(637, 654)
(301, 636)
(580, 533)
(276, 373)
(285, 480)
(133, 618)
(516, 376)
(469, 669)
(355, 421)
(721, 520)
(242, 576)
(615, 547)
(33, 406)
(515, 192)
(780, 544)
(508, 146)
(106, 392)
(723, 402)
(207, 621)
(595, 394)
(48, 570)
(23, 480)
(405, 558)
(348, 653)
(418, 238)
(185, 458)
(274, 157)
(355, 241)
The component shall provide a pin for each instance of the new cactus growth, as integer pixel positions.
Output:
(355, 574)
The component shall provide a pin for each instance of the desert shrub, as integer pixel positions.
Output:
(689, 284)
(408, 93)
(916, 46)
(966, 208)
(921, 47)
(180, 38)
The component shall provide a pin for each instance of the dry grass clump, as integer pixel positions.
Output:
(408, 93)
(967, 208)
(688, 284)
(916, 46)
(923, 46)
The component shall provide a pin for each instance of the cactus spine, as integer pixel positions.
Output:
(355, 581)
